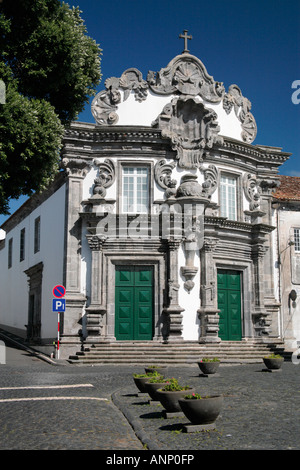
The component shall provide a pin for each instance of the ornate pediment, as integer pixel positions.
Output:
(186, 75)
(131, 100)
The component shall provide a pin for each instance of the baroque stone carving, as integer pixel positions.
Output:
(77, 167)
(189, 187)
(163, 177)
(132, 79)
(269, 186)
(191, 127)
(105, 178)
(252, 191)
(104, 105)
(235, 99)
(210, 183)
(187, 75)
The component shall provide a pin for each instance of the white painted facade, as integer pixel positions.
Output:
(181, 125)
(14, 281)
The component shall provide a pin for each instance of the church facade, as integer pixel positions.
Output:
(160, 224)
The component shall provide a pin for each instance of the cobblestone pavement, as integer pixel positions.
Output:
(66, 406)
(261, 410)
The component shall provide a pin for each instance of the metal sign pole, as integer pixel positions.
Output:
(58, 313)
(58, 306)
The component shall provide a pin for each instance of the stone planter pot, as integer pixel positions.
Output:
(202, 411)
(169, 400)
(162, 370)
(140, 383)
(208, 367)
(274, 363)
(151, 389)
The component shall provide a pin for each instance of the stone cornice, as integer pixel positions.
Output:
(258, 152)
(86, 138)
(94, 133)
(222, 222)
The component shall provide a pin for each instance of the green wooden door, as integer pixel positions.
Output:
(229, 304)
(134, 303)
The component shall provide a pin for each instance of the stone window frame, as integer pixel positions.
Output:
(134, 163)
(296, 239)
(239, 193)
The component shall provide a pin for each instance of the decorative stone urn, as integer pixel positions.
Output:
(204, 410)
(208, 367)
(169, 399)
(273, 363)
(140, 380)
(152, 387)
(189, 187)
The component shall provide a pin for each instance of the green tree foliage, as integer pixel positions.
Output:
(50, 68)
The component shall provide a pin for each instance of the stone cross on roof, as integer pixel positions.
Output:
(185, 37)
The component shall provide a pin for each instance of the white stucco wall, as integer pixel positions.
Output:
(134, 113)
(290, 311)
(189, 300)
(14, 282)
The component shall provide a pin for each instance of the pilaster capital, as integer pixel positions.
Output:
(173, 243)
(76, 167)
(209, 244)
(96, 242)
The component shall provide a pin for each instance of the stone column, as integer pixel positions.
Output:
(272, 304)
(96, 310)
(173, 310)
(76, 170)
(208, 312)
(261, 318)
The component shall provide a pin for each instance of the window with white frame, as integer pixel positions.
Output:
(297, 239)
(135, 189)
(228, 197)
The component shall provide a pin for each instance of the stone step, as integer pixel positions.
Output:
(179, 353)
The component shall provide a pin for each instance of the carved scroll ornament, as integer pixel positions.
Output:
(163, 177)
(106, 176)
(235, 99)
(252, 191)
(104, 105)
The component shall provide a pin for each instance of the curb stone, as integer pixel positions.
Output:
(134, 423)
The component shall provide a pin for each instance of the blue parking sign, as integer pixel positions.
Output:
(58, 305)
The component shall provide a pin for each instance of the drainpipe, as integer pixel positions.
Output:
(279, 272)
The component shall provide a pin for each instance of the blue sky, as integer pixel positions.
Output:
(253, 44)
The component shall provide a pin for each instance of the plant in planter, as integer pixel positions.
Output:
(153, 384)
(170, 394)
(273, 361)
(201, 410)
(156, 368)
(209, 365)
(141, 379)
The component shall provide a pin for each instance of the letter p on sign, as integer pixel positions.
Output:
(58, 305)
